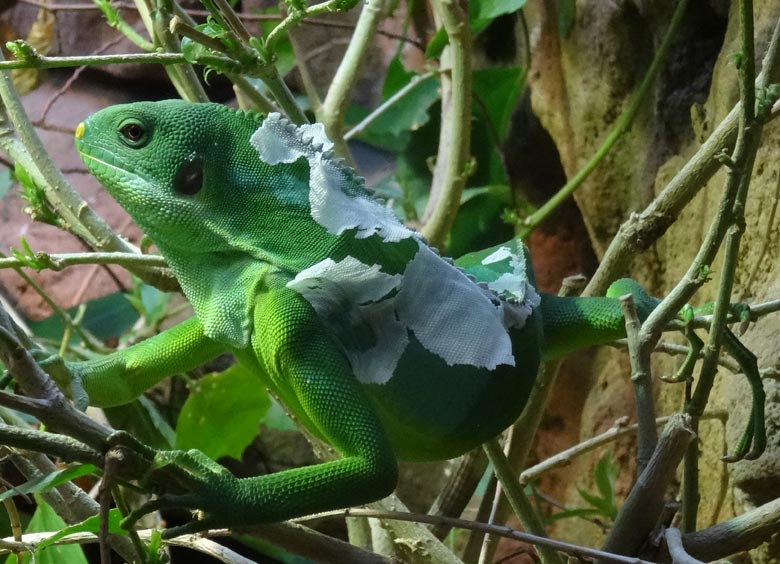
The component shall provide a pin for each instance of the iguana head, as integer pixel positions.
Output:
(189, 177)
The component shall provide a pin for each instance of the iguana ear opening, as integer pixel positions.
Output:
(189, 178)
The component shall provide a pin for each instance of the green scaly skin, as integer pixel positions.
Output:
(236, 231)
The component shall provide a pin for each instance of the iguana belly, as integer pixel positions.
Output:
(434, 411)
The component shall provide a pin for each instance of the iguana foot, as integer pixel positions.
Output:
(752, 443)
(210, 488)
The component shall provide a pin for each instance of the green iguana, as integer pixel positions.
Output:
(375, 343)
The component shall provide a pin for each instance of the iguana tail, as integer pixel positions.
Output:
(572, 323)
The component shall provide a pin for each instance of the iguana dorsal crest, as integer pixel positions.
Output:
(337, 197)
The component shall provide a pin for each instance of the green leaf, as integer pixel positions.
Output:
(491, 9)
(89, 525)
(478, 224)
(605, 475)
(49, 481)
(143, 420)
(497, 90)
(277, 419)
(45, 519)
(437, 44)
(148, 301)
(105, 317)
(407, 114)
(567, 15)
(599, 503)
(223, 412)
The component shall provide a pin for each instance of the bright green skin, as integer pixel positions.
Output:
(234, 246)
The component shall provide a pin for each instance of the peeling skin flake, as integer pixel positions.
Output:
(514, 282)
(450, 315)
(351, 298)
(371, 313)
(331, 205)
(502, 253)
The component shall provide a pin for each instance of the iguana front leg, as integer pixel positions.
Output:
(122, 376)
(303, 362)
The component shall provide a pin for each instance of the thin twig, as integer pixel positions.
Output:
(730, 223)
(739, 534)
(643, 506)
(517, 499)
(42, 62)
(674, 543)
(334, 106)
(195, 542)
(520, 436)
(498, 530)
(643, 385)
(64, 260)
(642, 230)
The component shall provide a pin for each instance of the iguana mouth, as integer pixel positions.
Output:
(109, 168)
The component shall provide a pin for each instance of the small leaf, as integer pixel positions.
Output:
(49, 481)
(406, 114)
(497, 90)
(222, 415)
(490, 9)
(437, 44)
(567, 15)
(143, 420)
(605, 476)
(89, 525)
(597, 502)
(105, 317)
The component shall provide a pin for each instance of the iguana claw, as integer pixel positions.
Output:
(210, 488)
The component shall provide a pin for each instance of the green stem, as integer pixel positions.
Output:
(244, 87)
(334, 106)
(281, 93)
(42, 62)
(453, 160)
(182, 75)
(518, 500)
(643, 386)
(295, 17)
(74, 211)
(63, 260)
(622, 125)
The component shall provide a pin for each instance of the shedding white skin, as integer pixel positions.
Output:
(513, 284)
(450, 315)
(332, 206)
(352, 300)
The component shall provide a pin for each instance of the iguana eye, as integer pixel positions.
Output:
(133, 133)
(189, 179)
